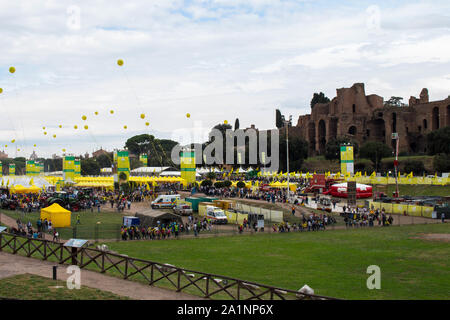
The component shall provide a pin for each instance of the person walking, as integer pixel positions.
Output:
(443, 217)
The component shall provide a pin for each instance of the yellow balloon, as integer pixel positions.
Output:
(18, 149)
(124, 127)
(226, 121)
(96, 113)
(120, 62)
(147, 124)
(84, 117)
(54, 136)
(188, 115)
(43, 128)
(60, 126)
(12, 69)
(6, 146)
(75, 127)
(142, 116)
(34, 145)
(64, 150)
(13, 140)
(86, 127)
(45, 132)
(112, 111)
(1, 90)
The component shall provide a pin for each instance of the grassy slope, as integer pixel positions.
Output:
(334, 263)
(32, 287)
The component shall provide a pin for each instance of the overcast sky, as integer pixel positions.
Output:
(215, 59)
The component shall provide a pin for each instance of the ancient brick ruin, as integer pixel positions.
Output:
(363, 118)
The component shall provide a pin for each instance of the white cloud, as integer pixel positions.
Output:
(215, 59)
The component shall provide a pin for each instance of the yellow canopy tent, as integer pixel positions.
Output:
(59, 216)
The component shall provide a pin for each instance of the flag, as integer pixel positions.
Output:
(373, 175)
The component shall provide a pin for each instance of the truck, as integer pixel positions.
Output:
(165, 201)
(216, 215)
(183, 209)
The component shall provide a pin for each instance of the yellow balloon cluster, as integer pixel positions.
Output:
(12, 69)
(120, 62)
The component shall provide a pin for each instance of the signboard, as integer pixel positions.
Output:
(75, 243)
(2, 229)
(131, 221)
(347, 163)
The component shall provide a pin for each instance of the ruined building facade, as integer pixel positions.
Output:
(363, 118)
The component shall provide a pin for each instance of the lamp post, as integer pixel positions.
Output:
(286, 123)
(396, 138)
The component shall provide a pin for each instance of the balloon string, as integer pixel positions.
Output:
(131, 87)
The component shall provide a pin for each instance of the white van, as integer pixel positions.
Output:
(165, 201)
(216, 215)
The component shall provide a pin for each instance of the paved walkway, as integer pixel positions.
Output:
(11, 265)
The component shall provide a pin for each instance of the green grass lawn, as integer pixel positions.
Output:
(32, 287)
(334, 263)
(420, 190)
(108, 227)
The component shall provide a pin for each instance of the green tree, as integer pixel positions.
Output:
(90, 167)
(441, 163)
(375, 152)
(438, 141)
(333, 148)
(319, 98)
(394, 102)
(298, 152)
(279, 121)
(104, 160)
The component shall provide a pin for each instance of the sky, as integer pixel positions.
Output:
(215, 59)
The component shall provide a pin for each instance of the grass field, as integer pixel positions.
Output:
(420, 190)
(334, 263)
(108, 227)
(32, 287)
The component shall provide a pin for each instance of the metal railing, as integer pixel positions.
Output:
(205, 285)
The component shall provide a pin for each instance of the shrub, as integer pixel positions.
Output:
(227, 183)
(441, 163)
(240, 184)
(414, 166)
(206, 183)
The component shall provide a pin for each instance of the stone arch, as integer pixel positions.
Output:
(322, 135)
(394, 122)
(435, 119)
(448, 115)
(332, 128)
(352, 130)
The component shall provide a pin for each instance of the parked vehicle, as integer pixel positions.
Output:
(165, 201)
(216, 215)
(183, 209)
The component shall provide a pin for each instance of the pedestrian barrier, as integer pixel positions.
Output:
(209, 286)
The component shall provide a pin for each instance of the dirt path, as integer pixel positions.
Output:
(11, 265)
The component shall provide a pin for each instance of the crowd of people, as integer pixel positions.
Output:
(167, 230)
(364, 217)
